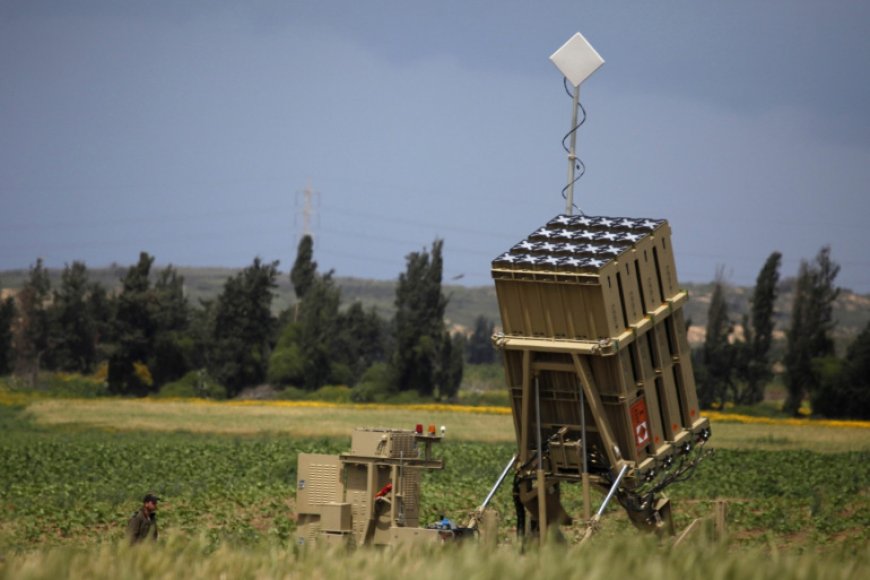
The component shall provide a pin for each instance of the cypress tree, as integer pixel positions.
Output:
(717, 355)
(359, 341)
(324, 345)
(755, 367)
(318, 316)
(74, 327)
(812, 321)
(135, 325)
(844, 385)
(171, 356)
(32, 331)
(242, 327)
(304, 271)
(846, 393)
(452, 364)
(418, 324)
(7, 316)
(480, 349)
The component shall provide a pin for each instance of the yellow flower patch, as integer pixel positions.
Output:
(792, 422)
(9, 398)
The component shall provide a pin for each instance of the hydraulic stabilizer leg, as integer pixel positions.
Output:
(593, 523)
(476, 516)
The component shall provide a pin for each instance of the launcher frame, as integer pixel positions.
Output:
(598, 366)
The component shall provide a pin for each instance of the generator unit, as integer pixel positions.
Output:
(371, 495)
(598, 366)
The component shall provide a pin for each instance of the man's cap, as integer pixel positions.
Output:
(150, 497)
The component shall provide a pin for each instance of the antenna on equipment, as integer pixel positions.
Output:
(576, 60)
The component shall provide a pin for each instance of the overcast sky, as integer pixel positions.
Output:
(190, 129)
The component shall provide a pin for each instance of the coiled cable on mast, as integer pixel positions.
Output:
(579, 166)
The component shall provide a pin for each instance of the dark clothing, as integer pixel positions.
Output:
(141, 527)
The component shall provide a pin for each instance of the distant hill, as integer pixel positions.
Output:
(852, 311)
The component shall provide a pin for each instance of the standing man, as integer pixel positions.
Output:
(143, 524)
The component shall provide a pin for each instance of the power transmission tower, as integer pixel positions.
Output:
(308, 209)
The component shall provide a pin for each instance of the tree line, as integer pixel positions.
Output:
(736, 369)
(146, 335)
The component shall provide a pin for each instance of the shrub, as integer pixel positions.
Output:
(370, 393)
(291, 394)
(178, 390)
(195, 384)
(483, 376)
(63, 385)
(332, 394)
(102, 372)
(375, 385)
(340, 373)
(493, 398)
(286, 366)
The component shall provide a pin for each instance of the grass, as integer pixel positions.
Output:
(72, 471)
(632, 557)
(311, 419)
(296, 419)
(776, 435)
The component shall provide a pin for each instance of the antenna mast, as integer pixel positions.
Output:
(576, 60)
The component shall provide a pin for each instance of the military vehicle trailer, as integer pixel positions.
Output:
(598, 366)
(371, 495)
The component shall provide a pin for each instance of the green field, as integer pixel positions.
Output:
(73, 471)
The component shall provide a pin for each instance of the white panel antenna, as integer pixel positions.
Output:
(576, 60)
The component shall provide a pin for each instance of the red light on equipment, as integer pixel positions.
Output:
(419, 428)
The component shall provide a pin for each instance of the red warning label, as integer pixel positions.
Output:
(640, 423)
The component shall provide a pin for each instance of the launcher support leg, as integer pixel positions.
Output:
(587, 498)
(542, 505)
(584, 459)
(542, 479)
(526, 408)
